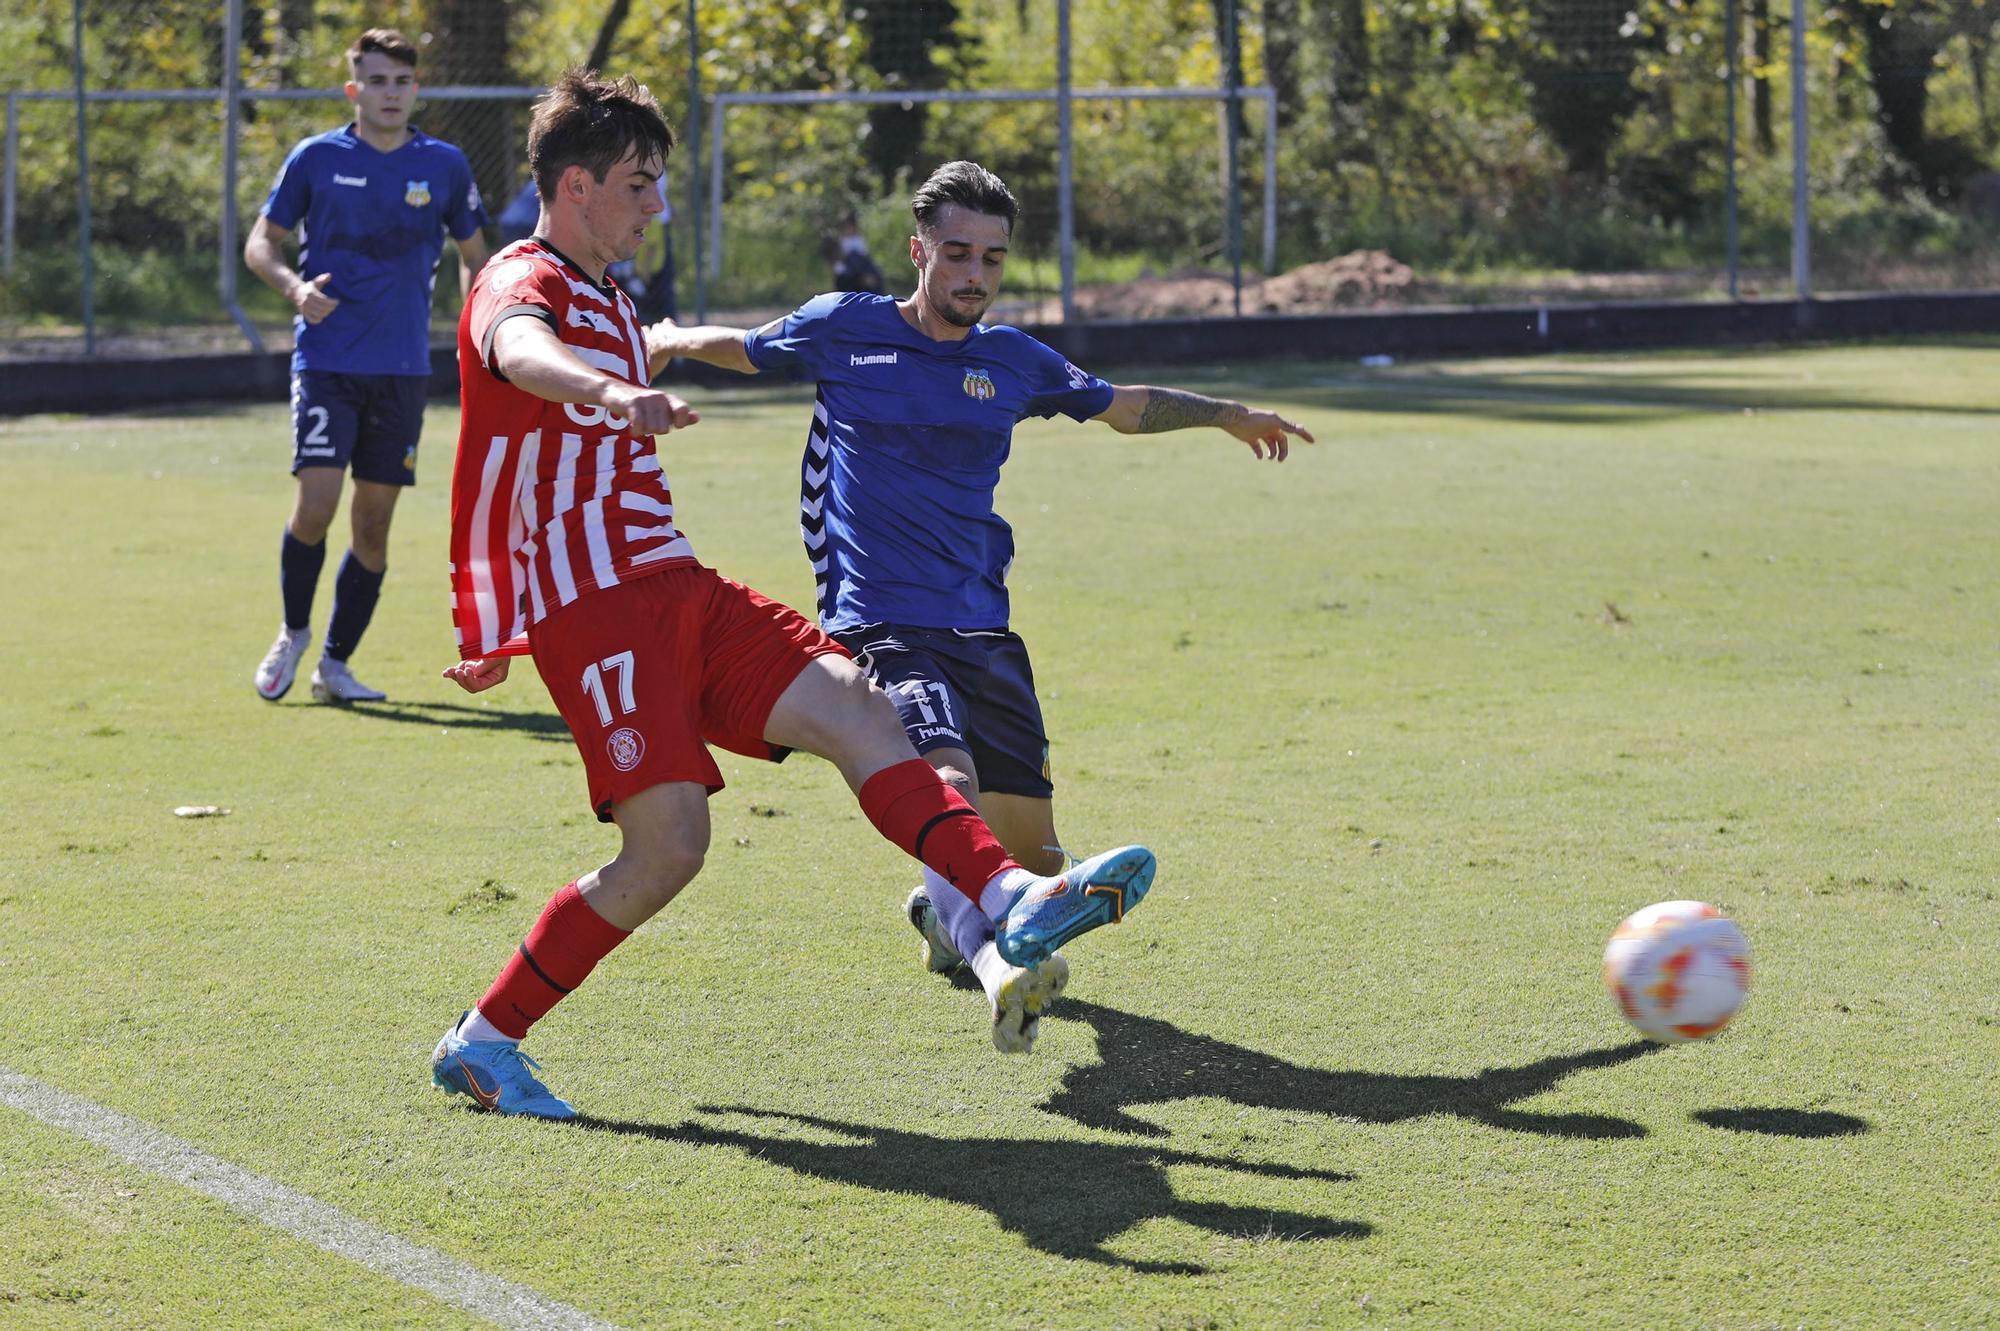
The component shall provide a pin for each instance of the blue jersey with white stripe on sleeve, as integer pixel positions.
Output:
(377, 222)
(904, 454)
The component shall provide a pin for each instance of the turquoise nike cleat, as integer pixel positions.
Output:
(1051, 911)
(495, 1074)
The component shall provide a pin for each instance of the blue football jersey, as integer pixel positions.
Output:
(377, 222)
(904, 454)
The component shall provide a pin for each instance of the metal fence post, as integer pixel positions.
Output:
(715, 187)
(1270, 182)
(694, 159)
(83, 182)
(1801, 240)
(1066, 177)
(232, 101)
(1732, 39)
(12, 187)
(1232, 75)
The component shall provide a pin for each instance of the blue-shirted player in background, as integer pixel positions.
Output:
(372, 203)
(916, 411)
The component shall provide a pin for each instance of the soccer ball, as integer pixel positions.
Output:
(1678, 970)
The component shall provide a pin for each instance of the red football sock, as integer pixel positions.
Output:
(567, 941)
(913, 806)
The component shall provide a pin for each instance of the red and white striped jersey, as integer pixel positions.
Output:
(549, 500)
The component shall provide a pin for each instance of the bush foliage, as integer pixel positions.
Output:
(1462, 135)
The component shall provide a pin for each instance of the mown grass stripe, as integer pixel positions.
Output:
(498, 1301)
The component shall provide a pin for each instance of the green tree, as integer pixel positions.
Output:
(909, 42)
(1579, 66)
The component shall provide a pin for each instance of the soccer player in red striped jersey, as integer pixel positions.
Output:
(565, 546)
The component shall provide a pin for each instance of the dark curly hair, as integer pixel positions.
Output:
(593, 122)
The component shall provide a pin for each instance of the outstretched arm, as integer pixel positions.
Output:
(712, 344)
(532, 358)
(1145, 409)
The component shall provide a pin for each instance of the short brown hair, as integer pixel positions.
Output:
(381, 41)
(970, 186)
(593, 122)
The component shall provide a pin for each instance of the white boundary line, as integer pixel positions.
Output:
(498, 1301)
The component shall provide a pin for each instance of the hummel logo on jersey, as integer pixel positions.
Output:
(887, 358)
(579, 317)
(979, 385)
(339, 179)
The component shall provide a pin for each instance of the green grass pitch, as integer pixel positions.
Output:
(1411, 720)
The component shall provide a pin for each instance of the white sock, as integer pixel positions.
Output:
(999, 893)
(966, 926)
(479, 1030)
(991, 968)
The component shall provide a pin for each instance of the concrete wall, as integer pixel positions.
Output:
(109, 385)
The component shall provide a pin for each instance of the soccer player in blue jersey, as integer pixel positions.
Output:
(915, 414)
(372, 203)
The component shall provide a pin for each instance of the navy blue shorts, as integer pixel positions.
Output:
(367, 422)
(956, 689)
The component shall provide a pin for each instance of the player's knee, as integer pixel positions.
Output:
(874, 709)
(309, 522)
(859, 709)
(659, 877)
(659, 866)
(371, 547)
(961, 782)
(1044, 860)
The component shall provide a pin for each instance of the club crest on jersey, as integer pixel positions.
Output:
(416, 193)
(979, 385)
(626, 747)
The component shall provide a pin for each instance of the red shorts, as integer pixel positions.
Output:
(650, 672)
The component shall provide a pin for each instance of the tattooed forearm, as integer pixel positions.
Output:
(1172, 409)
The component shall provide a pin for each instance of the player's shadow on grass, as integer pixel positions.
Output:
(537, 725)
(1780, 1122)
(1555, 396)
(1144, 1061)
(1068, 1198)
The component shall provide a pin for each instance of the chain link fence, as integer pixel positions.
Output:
(1374, 152)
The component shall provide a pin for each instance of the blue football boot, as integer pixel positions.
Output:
(1051, 911)
(496, 1075)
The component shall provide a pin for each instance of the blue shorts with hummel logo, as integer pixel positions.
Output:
(367, 422)
(962, 689)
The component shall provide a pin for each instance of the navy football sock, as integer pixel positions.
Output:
(298, 576)
(355, 590)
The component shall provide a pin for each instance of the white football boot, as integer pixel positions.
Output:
(334, 682)
(940, 954)
(1020, 996)
(280, 665)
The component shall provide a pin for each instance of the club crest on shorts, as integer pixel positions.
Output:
(416, 193)
(979, 385)
(626, 747)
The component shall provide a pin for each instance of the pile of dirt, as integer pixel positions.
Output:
(1362, 280)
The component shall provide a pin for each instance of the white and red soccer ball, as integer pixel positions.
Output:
(1678, 970)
